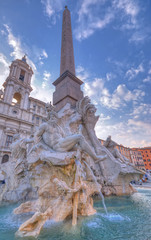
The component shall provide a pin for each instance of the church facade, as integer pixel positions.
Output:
(19, 113)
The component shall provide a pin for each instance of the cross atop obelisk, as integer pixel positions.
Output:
(67, 85)
(67, 53)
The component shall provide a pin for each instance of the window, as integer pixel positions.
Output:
(9, 140)
(38, 110)
(16, 99)
(22, 75)
(14, 111)
(37, 120)
(34, 107)
(5, 158)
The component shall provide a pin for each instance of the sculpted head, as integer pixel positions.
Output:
(109, 138)
(53, 117)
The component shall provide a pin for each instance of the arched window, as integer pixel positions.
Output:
(16, 99)
(5, 158)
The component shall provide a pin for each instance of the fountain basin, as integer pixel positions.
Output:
(129, 218)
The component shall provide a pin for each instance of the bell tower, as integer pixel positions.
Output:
(67, 85)
(17, 86)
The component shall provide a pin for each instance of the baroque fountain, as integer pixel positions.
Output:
(61, 167)
(56, 172)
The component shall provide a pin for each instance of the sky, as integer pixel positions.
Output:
(112, 50)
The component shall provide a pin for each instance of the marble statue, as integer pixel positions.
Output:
(111, 146)
(64, 167)
(19, 147)
(53, 136)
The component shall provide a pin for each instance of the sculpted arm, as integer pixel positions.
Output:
(39, 132)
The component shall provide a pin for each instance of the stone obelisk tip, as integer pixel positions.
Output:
(67, 53)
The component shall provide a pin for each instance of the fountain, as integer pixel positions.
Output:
(56, 172)
(61, 168)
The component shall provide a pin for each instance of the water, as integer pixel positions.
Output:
(98, 186)
(128, 218)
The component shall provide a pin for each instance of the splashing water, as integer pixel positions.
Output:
(98, 186)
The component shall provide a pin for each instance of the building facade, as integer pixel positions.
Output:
(146, 155)
(137, 159)
(19, 113)
(123, 150)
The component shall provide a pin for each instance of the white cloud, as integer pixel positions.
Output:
(15, 43)
(149, 72)
(43, 94)
(52, 8)
(46, 78)
(97, 14)
(140, 125)
(133, 72)
(45, 55)
(89, 21)
(82, 74)
(121, 96)
(104, 118)
(139, 36)
(129, 133)
(147, 79)
(4, 68)
(41, 55)
(130, 9)
(18, 50)
(93, 88)
(141, 111)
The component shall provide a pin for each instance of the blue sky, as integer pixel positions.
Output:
(112, 48)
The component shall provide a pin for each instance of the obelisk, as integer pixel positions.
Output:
(67, 85)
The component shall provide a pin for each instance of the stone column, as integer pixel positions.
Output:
(25, 106)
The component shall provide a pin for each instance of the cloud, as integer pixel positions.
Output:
(4, 68)
(43, 94)
(120, 97)
(93, 88)
(46, 78)
(141, 111)
(52, 8)
(130, 9)
(104, 118)
(139, 36)
(89, 21)
(133, 72)
(142, 126)
(149, 72)
(15, 43)
(82, 74)
(147, 79)
(18, 49)
(129, 133)
(98, 14)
